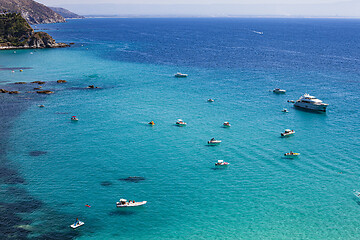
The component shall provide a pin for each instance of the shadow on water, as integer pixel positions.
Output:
(219, 168)
(121, 212)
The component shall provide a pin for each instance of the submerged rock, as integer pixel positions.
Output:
(92, 86)
(106, 183)
(37, 88)
(45, 92)
(20, 83)
(14, 92)
(38, 82)
(132, 179)
(61, 81)
(3, 91)
(37, 153)
(26, 227)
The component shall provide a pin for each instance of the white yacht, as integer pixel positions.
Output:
(310, 102)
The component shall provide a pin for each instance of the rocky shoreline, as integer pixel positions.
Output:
(56, 45)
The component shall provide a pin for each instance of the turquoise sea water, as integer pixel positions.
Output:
(261, 195)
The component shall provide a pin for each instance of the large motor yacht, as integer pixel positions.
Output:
(310, 102)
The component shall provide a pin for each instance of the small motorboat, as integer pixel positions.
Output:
(74, 118)
(221, 163)
(356, 193)
(41, 106)
(285, 110)
(291, 154)
(124, 203)
(180, 75)
(291, 101)
(77, 224)
(278, 90)
(180, 123)
(213, 141)
(21, 70)
(210, 100)
(287, 132)
(151, 123)
(226, 124)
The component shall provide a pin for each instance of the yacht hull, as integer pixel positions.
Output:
(315, 107)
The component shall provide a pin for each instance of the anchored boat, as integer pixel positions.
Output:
(124, 203)
(278, 90)
(180, 75)
(213, 141)
(221, 163)
(287, 132)
(180, 123)
(291, 154)
(310, 102)
(77, 224)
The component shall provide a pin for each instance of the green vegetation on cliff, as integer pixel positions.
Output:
(15, 32)
(14, 29)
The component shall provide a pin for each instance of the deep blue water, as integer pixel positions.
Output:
(261, 195)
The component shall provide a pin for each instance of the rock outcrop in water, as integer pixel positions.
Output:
(16, 33)
(33, 12)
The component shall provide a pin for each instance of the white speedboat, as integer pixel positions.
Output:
(310, 102)
(180, 123)
(180, 75)
(77, 224)
(226, 124)
(287, 132)
(278, 90)
(210, 100)
(130, 203)
(285, 110)
(213, 141)
(221, 163)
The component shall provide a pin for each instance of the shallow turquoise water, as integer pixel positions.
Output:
(261, 195)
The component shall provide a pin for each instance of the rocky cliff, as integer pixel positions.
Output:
(65, 13)
(15, 33)
(33, 12)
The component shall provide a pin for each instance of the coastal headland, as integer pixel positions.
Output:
(16, 33)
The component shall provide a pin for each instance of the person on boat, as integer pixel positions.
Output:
(133, 201)
(76, 222)
(291, 153)
(212, 139)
